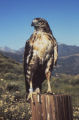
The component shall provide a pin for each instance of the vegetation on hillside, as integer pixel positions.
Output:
(13, 105)
(68, 65)
(10, 69)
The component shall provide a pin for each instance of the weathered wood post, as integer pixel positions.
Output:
(51, 107)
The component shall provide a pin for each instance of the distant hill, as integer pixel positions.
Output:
(68, 65)
(66, 50)
(18, 56)
(7, 49)
(63, 50)
(68, 60)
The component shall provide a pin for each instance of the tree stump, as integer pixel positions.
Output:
(51, 107)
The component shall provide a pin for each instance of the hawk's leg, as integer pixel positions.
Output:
(30, 96)
(48, 76)
(31, 92)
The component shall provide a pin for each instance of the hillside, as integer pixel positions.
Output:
(68, 65)
(9, 68)
(67, 50)
(13, 104)
(12, 90)
(14, 55)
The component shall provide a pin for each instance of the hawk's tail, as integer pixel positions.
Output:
(27, 80)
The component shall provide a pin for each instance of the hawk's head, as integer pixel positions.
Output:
(41, 24)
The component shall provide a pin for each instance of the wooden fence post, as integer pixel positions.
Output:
(51, 107)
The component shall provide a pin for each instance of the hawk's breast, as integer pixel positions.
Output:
(42, 47)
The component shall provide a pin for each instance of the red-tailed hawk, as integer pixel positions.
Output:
(40, 56)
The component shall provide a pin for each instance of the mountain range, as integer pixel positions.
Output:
(68, 58)
(63, 50)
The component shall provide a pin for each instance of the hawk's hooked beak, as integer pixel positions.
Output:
(34, 22)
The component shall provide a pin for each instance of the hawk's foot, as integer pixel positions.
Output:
(49, 91)
(30, 96)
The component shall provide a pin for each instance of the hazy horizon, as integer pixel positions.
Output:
(3, 47)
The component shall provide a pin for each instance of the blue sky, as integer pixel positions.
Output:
(16, 17)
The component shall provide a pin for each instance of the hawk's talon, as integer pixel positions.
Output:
(30, 96)
(49, 91)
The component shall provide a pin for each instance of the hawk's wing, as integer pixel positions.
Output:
(55, 51)
(27, 55)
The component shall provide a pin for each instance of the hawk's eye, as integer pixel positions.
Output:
(41, 22)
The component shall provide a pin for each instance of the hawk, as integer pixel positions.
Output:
(40, 56)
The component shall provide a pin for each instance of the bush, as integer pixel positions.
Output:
(11, 76)
(12, 87)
